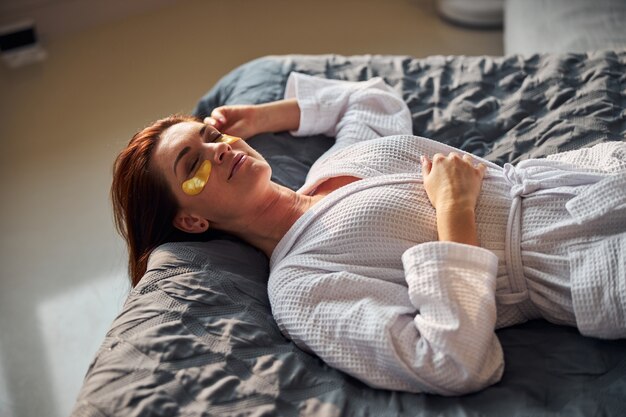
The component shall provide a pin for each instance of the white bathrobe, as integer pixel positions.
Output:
(361, 280)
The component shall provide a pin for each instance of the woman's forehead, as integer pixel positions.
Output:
(179, 131)
(174, 136)
(171, 142)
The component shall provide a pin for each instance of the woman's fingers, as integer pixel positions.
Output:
(219, 115)
(481, 169)
(438, 157)
(216, 119)
(426, 165)
(452, 180)
(236, 120)
(466, 158)
(210, 121)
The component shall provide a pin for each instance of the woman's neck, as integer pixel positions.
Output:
(273, 219)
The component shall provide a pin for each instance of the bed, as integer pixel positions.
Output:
(196, 336)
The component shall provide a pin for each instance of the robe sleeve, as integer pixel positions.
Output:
(349, 111)
(437, 338)
(606, 157)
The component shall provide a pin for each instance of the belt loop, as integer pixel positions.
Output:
(513, 254)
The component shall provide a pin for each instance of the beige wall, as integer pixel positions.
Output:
(62, 123)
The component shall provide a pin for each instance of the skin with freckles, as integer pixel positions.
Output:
(186, 173)
(233, 191)
(195, 185)
(238, 196)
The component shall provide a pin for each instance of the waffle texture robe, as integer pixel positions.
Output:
(361, 280)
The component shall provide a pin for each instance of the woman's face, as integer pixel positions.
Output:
(238, 178)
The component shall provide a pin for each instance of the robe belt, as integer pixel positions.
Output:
(519, 295)
(537, 177)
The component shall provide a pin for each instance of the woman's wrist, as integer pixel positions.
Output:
(457, 224)
(278, 116)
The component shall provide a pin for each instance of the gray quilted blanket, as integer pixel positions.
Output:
(196, 336)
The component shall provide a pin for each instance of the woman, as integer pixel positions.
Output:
(392, 268)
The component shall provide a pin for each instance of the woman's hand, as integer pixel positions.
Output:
(237, 120)
(453, 184)
(248, 120)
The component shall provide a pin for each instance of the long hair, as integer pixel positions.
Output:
(144, 206)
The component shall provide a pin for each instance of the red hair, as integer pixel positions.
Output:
(143, 204)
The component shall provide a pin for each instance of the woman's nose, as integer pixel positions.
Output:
(221, 149)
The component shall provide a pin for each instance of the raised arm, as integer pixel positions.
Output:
(348, 111)
(248, 120)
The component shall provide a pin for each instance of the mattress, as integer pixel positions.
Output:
(196, 335)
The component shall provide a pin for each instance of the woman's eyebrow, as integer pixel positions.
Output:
(187, 148)
(180, 155)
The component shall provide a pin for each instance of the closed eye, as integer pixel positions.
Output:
(192, 168)
(213, 137)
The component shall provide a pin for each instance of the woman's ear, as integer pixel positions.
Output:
(190, 223)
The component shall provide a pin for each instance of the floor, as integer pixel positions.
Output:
(63, 121)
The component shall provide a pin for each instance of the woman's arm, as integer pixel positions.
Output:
(279, 115)
(453, 184)
(348, 111)
(248, 120)
(438, 337)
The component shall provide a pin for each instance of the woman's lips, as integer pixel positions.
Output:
(237, 163)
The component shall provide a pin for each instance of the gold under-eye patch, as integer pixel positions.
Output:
(195, 185)
(228, 139)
